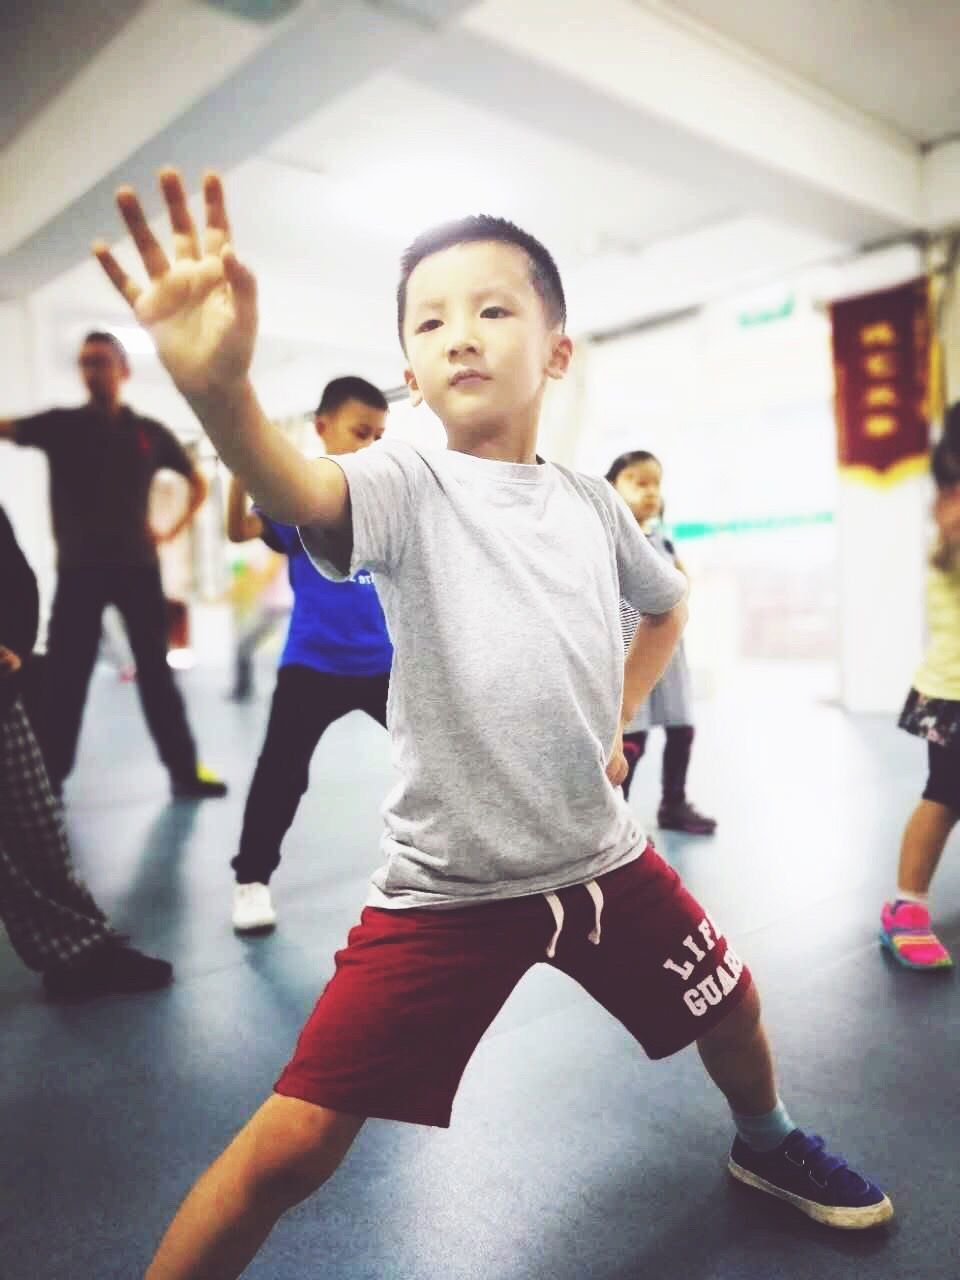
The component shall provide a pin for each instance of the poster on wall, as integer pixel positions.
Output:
(881, 360)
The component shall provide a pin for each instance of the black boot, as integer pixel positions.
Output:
(113, 967)
(680, 815)
(199, 785)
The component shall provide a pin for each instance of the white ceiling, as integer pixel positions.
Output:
(353, 184)
(399, 156)
(495, 111)
(894, 60)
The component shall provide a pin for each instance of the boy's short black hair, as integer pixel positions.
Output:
(337, 392)
(631, 459)
(111, 340)
(544, 275)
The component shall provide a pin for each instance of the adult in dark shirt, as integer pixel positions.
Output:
(102, 459)
(54, 924)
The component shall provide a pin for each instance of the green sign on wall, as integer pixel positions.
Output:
(758, 524)
(768, 315)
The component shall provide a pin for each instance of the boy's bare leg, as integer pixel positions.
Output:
(737, 1057)
(287, 1150)
(770, 1153)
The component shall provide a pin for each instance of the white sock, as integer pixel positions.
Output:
(908, 895)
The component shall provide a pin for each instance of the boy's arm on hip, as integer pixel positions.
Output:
(651, 649)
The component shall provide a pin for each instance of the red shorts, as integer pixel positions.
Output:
(414, 990)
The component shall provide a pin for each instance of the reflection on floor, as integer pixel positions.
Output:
(570, 1156)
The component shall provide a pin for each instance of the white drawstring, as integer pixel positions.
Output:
(596, 893)
(556, 906)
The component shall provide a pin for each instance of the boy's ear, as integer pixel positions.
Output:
(320, 424)
(561, 354)
(416, 395)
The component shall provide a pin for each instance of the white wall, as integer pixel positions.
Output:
(884, 534)
(741, 417)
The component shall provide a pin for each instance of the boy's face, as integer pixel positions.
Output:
(639, 486)
(352, 427)
(477, 339)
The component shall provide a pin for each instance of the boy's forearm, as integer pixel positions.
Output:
(648, 656)
(268, 466)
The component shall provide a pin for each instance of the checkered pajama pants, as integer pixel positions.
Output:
(48, 913)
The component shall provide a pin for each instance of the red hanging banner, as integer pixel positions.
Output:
(881, 361)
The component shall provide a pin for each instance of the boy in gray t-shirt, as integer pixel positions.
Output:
(507, 840)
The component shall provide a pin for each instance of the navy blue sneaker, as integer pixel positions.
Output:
(823, 1186)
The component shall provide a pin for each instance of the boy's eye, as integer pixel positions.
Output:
(494, 313)
(427, 325)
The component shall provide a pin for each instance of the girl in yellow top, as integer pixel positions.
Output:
(932, 711)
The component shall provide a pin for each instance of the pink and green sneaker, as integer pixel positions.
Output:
(905, 932)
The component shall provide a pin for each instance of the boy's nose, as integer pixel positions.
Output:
(463, 342)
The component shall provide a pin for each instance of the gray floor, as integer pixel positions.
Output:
(570, 1156)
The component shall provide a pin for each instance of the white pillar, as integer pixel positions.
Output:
(883, 537)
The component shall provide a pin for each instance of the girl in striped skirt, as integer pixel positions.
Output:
(637, 477)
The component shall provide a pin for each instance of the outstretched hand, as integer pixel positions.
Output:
(201, 308)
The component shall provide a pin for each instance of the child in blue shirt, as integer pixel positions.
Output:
(336, 660)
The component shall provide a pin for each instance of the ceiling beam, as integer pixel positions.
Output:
(636, 83)
(167, 57)
(275, 77)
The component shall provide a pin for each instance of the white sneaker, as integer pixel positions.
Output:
(252, 908)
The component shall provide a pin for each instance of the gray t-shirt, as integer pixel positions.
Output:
(500, 583)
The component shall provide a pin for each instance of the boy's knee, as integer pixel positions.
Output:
(739, 1025)
(294, 1148)
(286, 1185)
